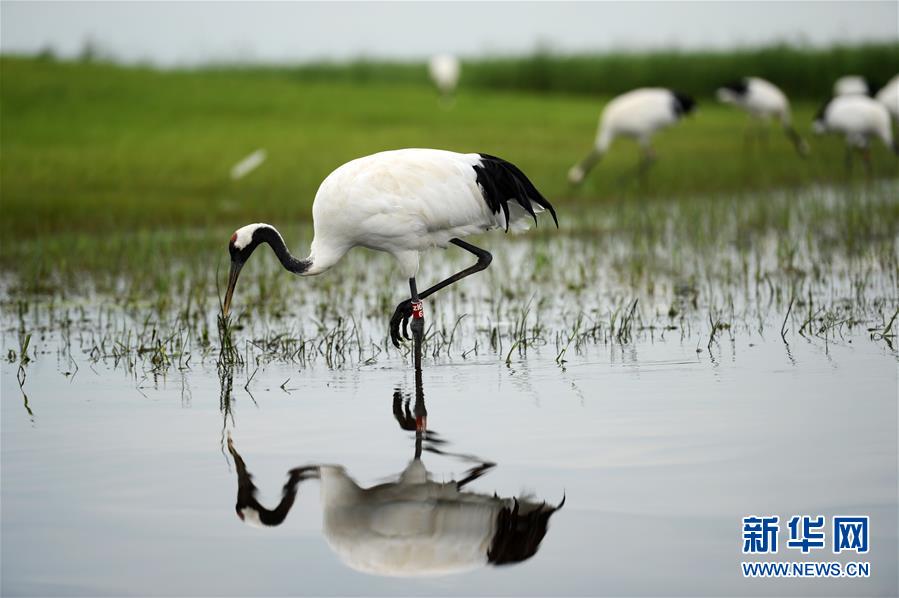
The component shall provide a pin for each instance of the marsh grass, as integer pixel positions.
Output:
(820, 266)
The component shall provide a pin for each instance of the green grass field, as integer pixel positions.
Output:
(100, 148)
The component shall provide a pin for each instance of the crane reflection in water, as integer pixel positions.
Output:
(412, 526)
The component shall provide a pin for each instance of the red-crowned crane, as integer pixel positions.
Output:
(413, 526)
(637, 114)
(403, 202)
(763, 100)
(858, 118)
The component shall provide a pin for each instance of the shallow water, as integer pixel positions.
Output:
(668, 373)
(118, 486)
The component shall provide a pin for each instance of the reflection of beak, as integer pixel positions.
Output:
(232, 282)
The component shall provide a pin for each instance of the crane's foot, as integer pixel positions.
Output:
(399, 322)
(399, 318)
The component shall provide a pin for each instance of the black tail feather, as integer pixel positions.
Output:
(502, 181)
(683, 104)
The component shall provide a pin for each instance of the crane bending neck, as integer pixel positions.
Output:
(322, 256)
(270, 235)
(287, 259)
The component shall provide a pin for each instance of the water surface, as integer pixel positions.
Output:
(124, 486)
(666, 368)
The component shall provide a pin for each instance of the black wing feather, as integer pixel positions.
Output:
(502, 181)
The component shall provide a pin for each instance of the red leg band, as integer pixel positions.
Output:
(418, 310)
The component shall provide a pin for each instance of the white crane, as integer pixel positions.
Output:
(889, 97)
(850, 85)
(403, 202)
(416, 526)
(445, 70)
(411, 527)
(859, 119)
(763, 100)
(637, 114)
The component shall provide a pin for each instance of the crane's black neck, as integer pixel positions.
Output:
(271, 517)
(246, 491)
(270, 235)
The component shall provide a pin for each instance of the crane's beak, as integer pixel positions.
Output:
(232, 282)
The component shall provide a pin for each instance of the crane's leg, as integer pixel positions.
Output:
(866, 159)
(647, 159)
(798, 142)
(418, 320)
(474, 473)
(748, 131)
(404, 310)
(421, 412)
(764, 133)
(418, 333)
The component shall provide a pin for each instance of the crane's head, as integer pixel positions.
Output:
(243, 242)
(731, 92)
(726, 95)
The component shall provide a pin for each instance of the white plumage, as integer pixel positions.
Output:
(850, 85)
(758, 97)
(637, 114)
(418, 527)
(889, 97)
(445, 70)
(762, 100)
(403, 202)
(858, 118)
(412, 527)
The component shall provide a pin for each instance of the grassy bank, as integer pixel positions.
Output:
(95, 148)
